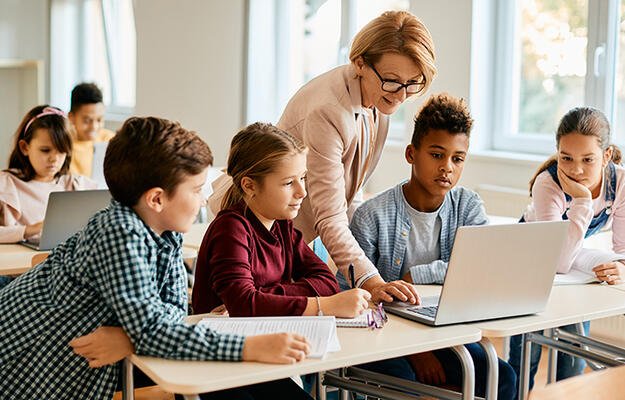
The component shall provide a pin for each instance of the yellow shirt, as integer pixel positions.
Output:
(82, 153)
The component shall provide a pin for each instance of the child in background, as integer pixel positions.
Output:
(585, 184)
(408, 232)
(123, 269)
(252, 260)
(87, 117)
(38, 165)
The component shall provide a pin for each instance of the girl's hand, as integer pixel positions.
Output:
(347, 304)
(33, 230)
(277, 348)
(104, 346)
(221, 310)
(574, 189)
(612, 272)
(428, 368)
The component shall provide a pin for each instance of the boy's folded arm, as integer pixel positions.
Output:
(125, 279)
(433, 272)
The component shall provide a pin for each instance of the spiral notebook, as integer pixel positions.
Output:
(361, 321)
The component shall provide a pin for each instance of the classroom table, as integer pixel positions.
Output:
(568, 304)
(358, 345)
(15, 259)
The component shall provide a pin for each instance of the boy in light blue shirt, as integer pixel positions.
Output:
(408, 232)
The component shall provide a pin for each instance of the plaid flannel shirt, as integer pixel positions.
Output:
(116, 271)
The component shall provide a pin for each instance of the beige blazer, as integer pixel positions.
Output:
(326, 114)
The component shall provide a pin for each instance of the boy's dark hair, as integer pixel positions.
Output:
(85, 93)
(150, 152)
(442, 112)
(56, 125)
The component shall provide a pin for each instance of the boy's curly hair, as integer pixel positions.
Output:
(442, 112)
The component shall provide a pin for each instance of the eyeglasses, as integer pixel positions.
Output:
(391, 86)
(377, 317)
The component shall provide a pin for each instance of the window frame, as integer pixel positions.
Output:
(599, 88)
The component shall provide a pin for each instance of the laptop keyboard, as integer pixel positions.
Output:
(429, 311)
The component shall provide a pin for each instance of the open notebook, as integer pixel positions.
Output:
(581, 271)
(319, 331)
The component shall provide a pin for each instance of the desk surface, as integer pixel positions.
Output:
(15, 259)
(358, 345)
(567, 304)
(608, 384)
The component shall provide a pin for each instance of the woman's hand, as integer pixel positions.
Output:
(574, 189)
(104, 346)
(428, 368)
(612, 272)
(386, 291)
(277, 348)
(33, 230)
(347, 304)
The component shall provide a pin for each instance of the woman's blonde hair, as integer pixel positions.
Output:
(255, 152)
(397, 32)
(586, 121)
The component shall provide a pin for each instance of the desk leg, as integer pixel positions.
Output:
(492, 379)
(128, 383)
(468, 372)
(191, 397)
(524, 378)
(343, 393)
(320, 390)
(553, 356)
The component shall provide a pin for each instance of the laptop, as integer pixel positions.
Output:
(494, 271)
(66, 214)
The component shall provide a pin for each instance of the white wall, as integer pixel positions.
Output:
(23, 36)
(190, 57)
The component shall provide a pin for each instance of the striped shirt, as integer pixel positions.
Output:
(116, 271)
(382, 226)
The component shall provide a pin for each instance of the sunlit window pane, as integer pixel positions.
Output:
(620, 75)
(322, 31)
(552, 62)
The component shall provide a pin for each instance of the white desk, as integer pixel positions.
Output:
(15, 259)
(398, 337)
(567, 305)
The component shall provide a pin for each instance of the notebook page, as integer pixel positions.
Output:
(319, 331)
(581, 270)
(360, 321)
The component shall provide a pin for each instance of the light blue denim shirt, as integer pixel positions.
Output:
(382, 224)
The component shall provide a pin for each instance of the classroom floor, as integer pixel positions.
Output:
(154, 393)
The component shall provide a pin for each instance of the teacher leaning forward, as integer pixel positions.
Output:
(343, 118)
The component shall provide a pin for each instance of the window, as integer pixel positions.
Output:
(619, 119)
(293, 41)
(552, 56)
(94, 41)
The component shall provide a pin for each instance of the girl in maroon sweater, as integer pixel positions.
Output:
(252, 260)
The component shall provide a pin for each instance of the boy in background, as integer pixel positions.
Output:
(87, 117)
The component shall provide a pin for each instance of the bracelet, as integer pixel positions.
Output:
(319, 313)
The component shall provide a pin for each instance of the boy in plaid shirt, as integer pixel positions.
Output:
(123, 277)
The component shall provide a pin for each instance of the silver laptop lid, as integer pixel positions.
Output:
(500, 271)
(69, 212)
